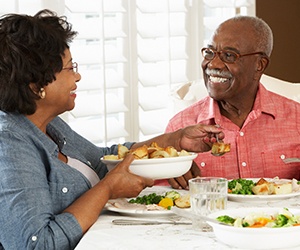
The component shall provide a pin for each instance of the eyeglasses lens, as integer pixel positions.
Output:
(225, 56)
(75, 67)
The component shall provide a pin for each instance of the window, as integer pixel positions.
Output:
(132, 54)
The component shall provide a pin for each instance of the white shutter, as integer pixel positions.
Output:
(217, 11)
(100, 109)
(162, 60)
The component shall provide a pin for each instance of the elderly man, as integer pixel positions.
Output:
(262, 127)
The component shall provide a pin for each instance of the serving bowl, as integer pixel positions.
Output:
(256, 238)
(158, 168)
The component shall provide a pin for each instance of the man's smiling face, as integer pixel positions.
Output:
(228, 81)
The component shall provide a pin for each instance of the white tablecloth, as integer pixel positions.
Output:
(104, 235)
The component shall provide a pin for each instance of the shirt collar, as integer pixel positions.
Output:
(263, 104)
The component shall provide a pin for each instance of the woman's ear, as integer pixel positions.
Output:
(33, 88)
(41, 93)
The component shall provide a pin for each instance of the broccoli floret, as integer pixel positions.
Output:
(281, 220)
(226, 219)
(245, 224)
(172, 195)
(241, 186)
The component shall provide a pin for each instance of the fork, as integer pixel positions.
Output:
(290, 160)
(217, 154)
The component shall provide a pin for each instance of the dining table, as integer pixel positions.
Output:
(104, 234)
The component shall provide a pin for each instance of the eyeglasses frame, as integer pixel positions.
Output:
(74, 66)
(237, 54)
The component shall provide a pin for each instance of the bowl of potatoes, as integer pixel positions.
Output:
(153, 161)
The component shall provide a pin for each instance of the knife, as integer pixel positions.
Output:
(148, 222)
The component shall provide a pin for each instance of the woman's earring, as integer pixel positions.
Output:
(42, 93)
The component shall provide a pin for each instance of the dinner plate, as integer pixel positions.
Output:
(258, 198)
(138, 212)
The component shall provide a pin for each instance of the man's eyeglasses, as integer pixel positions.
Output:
(225, 55)
(74, 67)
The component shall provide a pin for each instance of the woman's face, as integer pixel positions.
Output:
(60, 94)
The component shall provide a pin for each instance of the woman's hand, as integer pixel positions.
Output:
(122, 183)
(118, 183)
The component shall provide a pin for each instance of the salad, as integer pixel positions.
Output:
(166, 201)
(284, 218)
(263, 186)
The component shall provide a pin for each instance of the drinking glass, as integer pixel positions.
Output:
(207, 194)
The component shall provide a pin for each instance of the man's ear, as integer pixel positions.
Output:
(262, 64)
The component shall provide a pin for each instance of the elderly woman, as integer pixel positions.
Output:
(53, 185)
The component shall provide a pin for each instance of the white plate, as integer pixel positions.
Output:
(158, 168)
(133, 211)
(258, 198)
(256, 238)
(138, 212)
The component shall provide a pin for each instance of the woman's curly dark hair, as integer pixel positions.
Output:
(31, 50)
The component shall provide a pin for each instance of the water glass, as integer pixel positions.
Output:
(207, 194)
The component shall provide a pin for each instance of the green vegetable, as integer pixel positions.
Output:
(241, 186)
(172, 194)
(226, 219)
(153, 198)
(147, 199)
(245, 224)
(281, 220)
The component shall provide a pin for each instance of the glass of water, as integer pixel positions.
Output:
(207, 194)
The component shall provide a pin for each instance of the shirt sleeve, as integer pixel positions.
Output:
(27, 211)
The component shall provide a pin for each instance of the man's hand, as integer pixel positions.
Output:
(199, 138)
(182, 181)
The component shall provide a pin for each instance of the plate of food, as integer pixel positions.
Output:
(152, 204)
(154, 162)
(262, 189)
(258, 227)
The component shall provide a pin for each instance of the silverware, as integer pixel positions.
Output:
(217, 154)
(148, 222)
(290, 160)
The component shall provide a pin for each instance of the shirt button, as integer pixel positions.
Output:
(242, 134)
(64, 190)
(202, 164)
(282, 157)
(244, 164)
(34, 238)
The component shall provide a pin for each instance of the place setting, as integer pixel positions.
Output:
(208, 207)
(238, 212)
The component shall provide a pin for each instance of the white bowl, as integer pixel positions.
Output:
(158, 168)
(256, 238)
